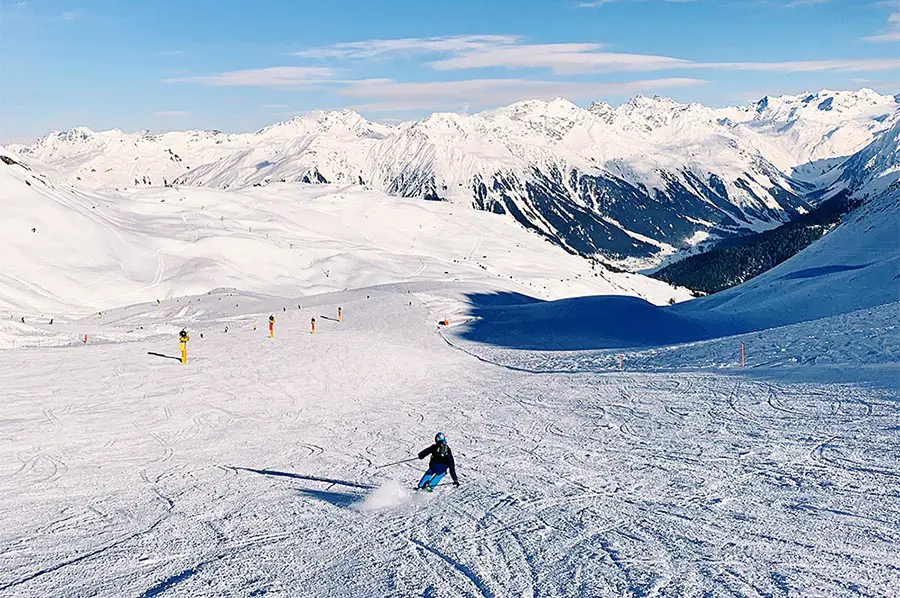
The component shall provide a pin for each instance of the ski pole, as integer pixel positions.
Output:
(397, 463)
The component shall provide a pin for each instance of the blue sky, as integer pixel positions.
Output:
(239, 65)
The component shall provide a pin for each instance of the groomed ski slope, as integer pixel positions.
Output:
(251, 469)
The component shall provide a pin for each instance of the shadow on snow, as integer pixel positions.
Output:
(516, 321)
(153, 353)
(822, 271)
(344, 500)
(308, 478)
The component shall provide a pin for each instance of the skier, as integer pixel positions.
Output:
(441, 461)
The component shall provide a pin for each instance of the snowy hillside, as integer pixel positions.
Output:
(65, 250)
(855, 266)
(869, 174)
(630, 184)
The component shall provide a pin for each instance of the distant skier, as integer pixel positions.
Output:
(441, 461)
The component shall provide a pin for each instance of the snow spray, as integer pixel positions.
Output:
(387, 496)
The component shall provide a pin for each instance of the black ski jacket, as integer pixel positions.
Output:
(441, 458)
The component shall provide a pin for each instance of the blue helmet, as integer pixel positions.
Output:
(439, 438)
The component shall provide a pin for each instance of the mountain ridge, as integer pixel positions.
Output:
(627, 185)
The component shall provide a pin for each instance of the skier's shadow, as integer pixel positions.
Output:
(308, 478)
(339, 499)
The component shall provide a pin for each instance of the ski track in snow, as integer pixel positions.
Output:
(126, 474)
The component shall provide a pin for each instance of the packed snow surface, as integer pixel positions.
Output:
(253, 468)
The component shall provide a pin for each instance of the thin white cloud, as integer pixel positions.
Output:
(375, 48)
(560, 58)
(568, 58)
(503, 52)
(31, 11)
(387, 96)
(808, 66)
(508, 52)
(274, 76)
(796, 3)
(893, 35)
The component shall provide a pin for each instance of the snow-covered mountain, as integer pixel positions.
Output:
(107, 159)
(629, 184)
(874, 170)
(870, 177)
(811, 133)
(65, 250)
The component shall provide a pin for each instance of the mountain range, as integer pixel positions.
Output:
(630, 185)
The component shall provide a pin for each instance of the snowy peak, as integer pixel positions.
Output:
(558, 108)
(341, 122)
(446, 122)
(112, 158)
(602, 110)
(811, 105)
(539, 115)
(811, 133)
(652, 113)
(76, 135)
(79, 138)
(654, 103)
(533, 119)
